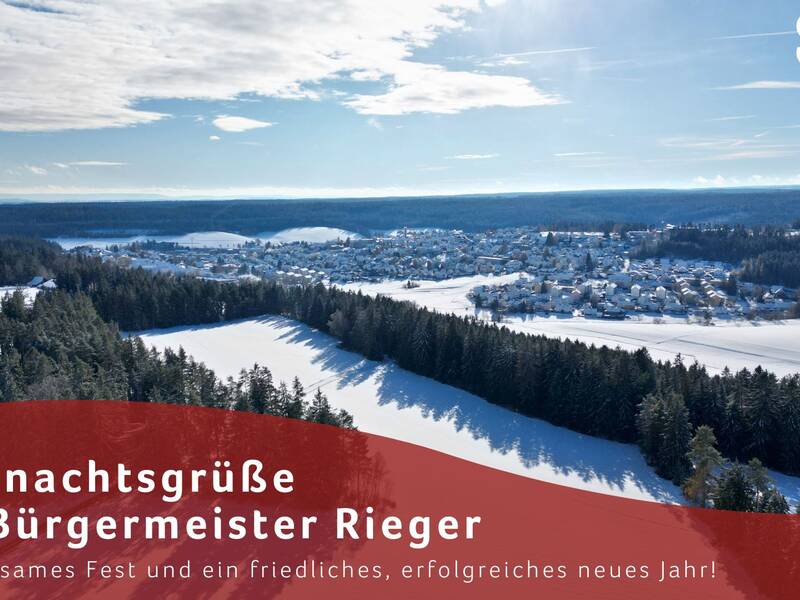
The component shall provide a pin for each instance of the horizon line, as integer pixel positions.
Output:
(92, 197)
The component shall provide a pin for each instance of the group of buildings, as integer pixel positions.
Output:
(652, 290)
(429, 254)
(569, 273)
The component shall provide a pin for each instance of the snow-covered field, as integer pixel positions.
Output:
(200, 239)
(217, 239)
(735, 344)
(389, 401)
(307, 234)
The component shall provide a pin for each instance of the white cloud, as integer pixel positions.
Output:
(703, 143)
(556, 51)
(733, 118)
(754, 35)
(514, 58)
(36, 170)
(72, 64)
(375, 123)
(763, 85)
(576, 154)
(471, 156)
(751, 181)
(729, 148)
(88, 163)
(753, 154)
(545, 52)
(506, 61)
(238, 124)
(428, 88)
(718, 181)
(214, 138)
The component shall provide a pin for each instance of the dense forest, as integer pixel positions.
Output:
(781, 267)
(769, 255)
(21, 259)
(561, 210)
(60, 348)
(610, 393)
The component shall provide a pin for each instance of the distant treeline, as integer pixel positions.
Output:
(563, 210)
(768, 255)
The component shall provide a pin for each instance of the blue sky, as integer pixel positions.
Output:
(192, 98)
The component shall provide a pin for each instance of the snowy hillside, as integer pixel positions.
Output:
(386, 400)
(210, 239)
(218, 239)
(314, 235)
(389, 401)
(199, 239)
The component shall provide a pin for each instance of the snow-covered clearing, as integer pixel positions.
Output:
(735, 344)
(28, 292)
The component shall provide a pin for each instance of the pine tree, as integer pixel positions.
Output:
(362, 336)
(283, 400)
(672, 462)
(650, 424)
(588, 263)
(297, 405)
(760, 409)
(734, 490)
(774, 502)
(705, 458)
(748, 488)
(320, 410)
(317, 316)
(339, 327)
(766, 497)
(422, 343)
(664, 430)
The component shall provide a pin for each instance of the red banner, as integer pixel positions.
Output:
(113, 499)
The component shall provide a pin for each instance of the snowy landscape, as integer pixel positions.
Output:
(593, 274)
(389, 401)
(414, 299)
(725, 341)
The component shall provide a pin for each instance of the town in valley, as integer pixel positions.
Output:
(516, 270)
